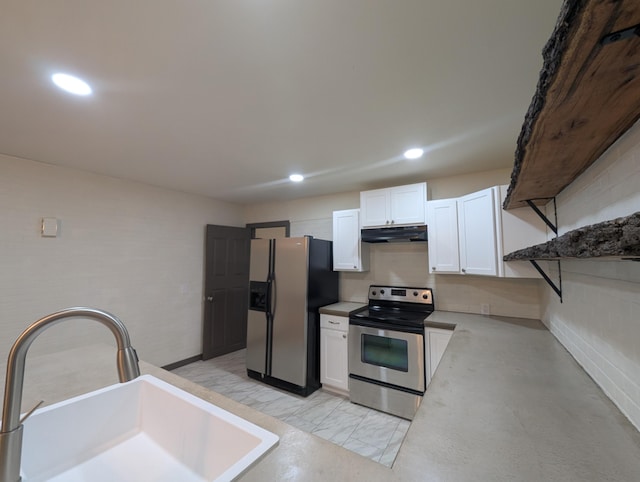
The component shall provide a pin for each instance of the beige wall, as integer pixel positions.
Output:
(131, 249)
(407, 264)
(599, 319)
(319, 207)
(456, 186)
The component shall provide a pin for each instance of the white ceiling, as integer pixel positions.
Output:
(226, 98)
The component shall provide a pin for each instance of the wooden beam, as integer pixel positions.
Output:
(588, 95)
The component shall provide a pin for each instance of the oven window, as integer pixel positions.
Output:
(386, 352)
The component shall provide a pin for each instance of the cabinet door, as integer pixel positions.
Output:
(374, 208)
(334, 370)
(347, 247)
(437, 340)
(407, 204)
(442, 226)
(477, 233)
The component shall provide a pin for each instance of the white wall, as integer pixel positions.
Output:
(407, 263)
(599, 319)
(132, 249)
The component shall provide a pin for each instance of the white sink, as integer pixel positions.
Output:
(142, 430)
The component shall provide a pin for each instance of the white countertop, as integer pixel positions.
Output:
(507, 403)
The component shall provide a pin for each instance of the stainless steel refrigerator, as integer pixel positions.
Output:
(290, 279)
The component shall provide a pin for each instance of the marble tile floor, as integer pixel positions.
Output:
(370, 433)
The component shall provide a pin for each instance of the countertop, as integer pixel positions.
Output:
(342, 308)
(507, 403)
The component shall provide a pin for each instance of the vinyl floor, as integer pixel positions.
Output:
(370, 433)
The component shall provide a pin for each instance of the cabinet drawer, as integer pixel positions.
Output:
(340, 323)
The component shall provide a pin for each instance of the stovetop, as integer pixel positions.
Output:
(393, 316)
(397, 305)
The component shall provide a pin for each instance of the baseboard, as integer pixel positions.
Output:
(181, 363)
(601, 370)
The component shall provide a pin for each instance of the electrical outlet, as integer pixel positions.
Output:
(485, 309)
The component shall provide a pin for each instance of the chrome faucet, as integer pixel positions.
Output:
(11, 431)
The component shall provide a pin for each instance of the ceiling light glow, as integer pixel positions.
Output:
(296, 177)
(413, 153)
(71, 84)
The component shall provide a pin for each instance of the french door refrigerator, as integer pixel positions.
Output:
(290, 279)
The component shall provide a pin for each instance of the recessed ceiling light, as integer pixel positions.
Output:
(296, 177)
(71, 84)
(413, 153)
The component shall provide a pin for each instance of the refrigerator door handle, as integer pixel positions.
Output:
(274, 294)
(268, 297)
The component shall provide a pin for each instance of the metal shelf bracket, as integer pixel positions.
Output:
(552, 226)
(557, 288)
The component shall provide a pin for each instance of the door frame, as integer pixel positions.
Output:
(272, 224)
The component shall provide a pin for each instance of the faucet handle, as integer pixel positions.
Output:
(30, 412)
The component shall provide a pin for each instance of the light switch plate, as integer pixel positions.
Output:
(49, 227)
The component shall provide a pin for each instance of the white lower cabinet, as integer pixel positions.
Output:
(334, 360)
(436, 341)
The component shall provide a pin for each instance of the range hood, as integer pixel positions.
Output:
(396, 234)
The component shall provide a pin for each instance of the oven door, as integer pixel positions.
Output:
(387, 355)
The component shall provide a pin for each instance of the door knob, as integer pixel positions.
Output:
(209, 298)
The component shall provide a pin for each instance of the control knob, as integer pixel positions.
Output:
(415, 293)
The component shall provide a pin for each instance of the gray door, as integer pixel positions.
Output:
(226, 290)
(289, 347)
(257, 320)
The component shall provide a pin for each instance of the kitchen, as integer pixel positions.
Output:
(102, 258)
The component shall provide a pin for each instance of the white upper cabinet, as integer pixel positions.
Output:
(349, 253)
(375, 207)
(407, 204)
(470, 235)
(442, 222)
(394, 206)
(477, 233)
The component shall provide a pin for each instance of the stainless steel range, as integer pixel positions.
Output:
(386, 349)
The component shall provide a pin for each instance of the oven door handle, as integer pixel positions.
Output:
(380, 325)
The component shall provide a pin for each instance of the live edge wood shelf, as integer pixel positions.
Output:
(617, 239)
(588, 95)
